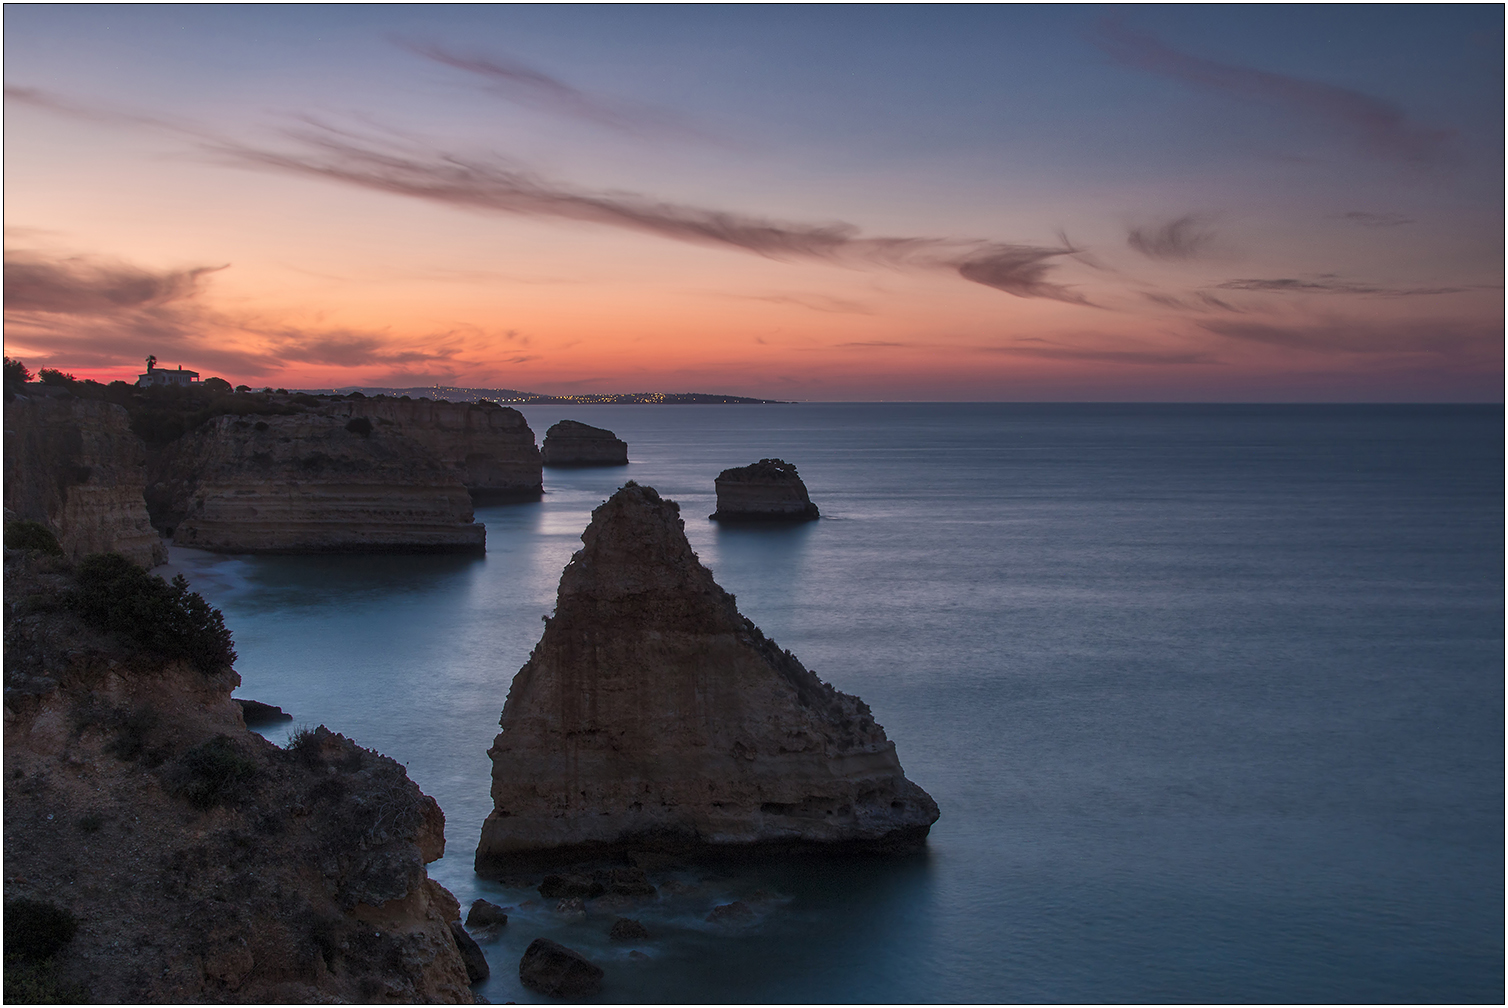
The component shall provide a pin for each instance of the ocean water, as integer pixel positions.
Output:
(1211, 697)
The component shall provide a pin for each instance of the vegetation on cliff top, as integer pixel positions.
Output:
(167, 619)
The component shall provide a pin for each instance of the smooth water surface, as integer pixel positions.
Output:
(1211, 697)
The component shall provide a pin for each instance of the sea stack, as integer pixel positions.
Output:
(571, 443)
(768, 490)
(653, 715)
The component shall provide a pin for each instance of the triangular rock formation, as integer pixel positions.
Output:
(652, 713)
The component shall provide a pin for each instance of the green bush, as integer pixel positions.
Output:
(117, 596)
(360, 425)
(16, 371)
(33, 536)
(213, 773)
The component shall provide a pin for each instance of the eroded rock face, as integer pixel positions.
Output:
(768, 490)
(203, 863)
(570, 443)
(310, 484)
(489, 447)
(652, 713)
(75, 466)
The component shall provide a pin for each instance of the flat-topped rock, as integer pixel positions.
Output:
(489, 448)
(313, 484)
(768, 490)
(652, 714)
(571, 443)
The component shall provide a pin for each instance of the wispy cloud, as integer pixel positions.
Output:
(525, 85)
(1378, 126)
(1328, 283)
(873, 343)
(1054, 350)
(1375, 220)
(1183, 238)
(83, 285)
(493, 184)
(1442, 338)
(816, 302)
(94, 312)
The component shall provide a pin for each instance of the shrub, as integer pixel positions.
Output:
(35, 931)
(33, 536)
(212, 773)
(215, 385)
(117, 596)
(360, 425)
(16, 371)
(52, 376)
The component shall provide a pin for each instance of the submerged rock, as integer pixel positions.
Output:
(571, 443)
(559, 972)
(653, 715)
(768, 490)
(733, 914)
(626, 929)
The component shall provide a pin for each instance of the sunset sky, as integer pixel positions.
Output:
(839, 202)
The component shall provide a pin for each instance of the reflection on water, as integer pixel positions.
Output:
(1210, 697)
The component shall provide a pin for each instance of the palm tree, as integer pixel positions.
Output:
(151, 361)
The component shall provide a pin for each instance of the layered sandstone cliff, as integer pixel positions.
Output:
(768, 490)
(571, 443)
(307, 484)
(489, 447)
(75, 466)
(652, 713)
(200, 862)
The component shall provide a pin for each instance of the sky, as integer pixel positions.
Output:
(1257, 203)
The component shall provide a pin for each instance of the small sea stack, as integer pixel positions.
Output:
(571, 443)
(768, 490)
(653, 716)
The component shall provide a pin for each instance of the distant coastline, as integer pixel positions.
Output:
(514, 396)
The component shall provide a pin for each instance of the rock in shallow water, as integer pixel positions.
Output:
(477, 969)
(652, 713)
(484, 914)
(625, 929)
(556, 971)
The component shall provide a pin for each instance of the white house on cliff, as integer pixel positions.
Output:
(162, 376)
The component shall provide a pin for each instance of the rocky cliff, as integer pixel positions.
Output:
(308, 483)
(75, 466)
(489, 447)
(199, 862)
(652, 713)
(768, 490)
(570, 443)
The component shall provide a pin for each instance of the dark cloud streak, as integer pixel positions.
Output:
(1330, 285)
(1181, 239)
(1379, 126)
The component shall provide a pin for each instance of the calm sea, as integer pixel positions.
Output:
(1211, 697)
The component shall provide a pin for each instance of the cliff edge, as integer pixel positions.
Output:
(652, 713)
(75, 466)
(310, 484)
(192, 860)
